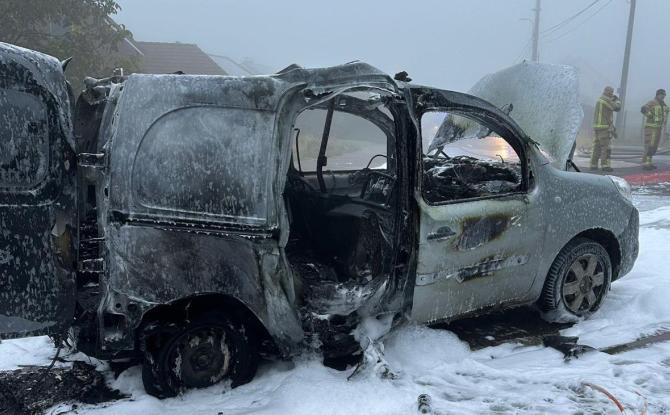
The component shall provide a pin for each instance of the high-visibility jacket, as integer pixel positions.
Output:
(656, 114)
(603, 117)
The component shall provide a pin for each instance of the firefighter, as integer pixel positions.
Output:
(603, 128)
(655, 117)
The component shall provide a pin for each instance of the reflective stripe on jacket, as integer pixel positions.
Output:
(656, 115)
(603, 117)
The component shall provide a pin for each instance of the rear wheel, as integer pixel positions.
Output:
(578, 280)
(200, 353)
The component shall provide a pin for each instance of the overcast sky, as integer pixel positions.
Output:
(445, 43)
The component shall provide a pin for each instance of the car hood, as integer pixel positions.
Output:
(545, 101)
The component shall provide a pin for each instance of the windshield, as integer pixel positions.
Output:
(448, 133)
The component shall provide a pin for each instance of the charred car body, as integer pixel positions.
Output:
(194, 222)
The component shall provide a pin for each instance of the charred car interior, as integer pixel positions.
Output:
(342, 202)
(464, 159)
(194, 223)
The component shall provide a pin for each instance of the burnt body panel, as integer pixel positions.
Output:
(151, 265)
(172, 234)
(38, 214)
(220, 127)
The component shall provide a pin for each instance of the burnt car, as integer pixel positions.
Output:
(195, 223)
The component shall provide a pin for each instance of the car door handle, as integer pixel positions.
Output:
(441, 234)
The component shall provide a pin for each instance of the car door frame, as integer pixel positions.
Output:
(394, 294)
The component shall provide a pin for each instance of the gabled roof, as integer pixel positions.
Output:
(163, 57)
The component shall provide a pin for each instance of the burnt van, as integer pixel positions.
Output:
(194, 223)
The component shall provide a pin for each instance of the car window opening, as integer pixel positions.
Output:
(340, 197)
(464, 159)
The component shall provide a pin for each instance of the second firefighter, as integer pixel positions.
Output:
(655, 118)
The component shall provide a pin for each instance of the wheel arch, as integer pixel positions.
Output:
(189, 307)
(608, 241)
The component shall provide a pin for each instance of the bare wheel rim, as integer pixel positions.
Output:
(584, 283)
(200, 357)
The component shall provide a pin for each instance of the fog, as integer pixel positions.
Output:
(448, 43)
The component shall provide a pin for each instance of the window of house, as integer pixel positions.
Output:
(465, 159)
(24, 140)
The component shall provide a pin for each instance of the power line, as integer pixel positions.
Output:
(589, 17)
(597, 11)
(568, 20)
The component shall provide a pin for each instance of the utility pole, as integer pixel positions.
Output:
(621, 117)
(536, 32)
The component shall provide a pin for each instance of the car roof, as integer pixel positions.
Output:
(263, 92)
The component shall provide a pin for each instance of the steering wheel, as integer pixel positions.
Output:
(369, 179)
(359, 176)
(362, 176)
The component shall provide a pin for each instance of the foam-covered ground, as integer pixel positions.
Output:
(503, 379)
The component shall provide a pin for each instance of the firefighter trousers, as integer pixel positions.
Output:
(601, 148)
(652, 137)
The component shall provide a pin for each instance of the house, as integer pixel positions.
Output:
(170, 57)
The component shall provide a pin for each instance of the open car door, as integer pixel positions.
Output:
(37, 195)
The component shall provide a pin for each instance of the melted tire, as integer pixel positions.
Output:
(164, 367)
(553, 298)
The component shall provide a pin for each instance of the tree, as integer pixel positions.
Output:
(81, 29)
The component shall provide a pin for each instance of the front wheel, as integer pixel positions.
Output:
(200, 353)
(578, 280)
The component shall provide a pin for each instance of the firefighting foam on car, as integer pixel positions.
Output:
(199, 221)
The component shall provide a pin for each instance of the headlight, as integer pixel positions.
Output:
(623, 187)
